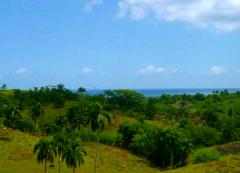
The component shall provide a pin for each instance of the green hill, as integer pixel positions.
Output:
(16, 151)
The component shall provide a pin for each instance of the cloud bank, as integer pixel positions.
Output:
(217, 70)
(87, 70)
(151, 69)
(20, 71)
(90, 4)
(223, 15)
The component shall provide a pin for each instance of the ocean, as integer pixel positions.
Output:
(159, 92)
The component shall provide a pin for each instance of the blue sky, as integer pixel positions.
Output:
(120, 43)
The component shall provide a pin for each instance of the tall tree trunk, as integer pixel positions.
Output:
(59, 164)
(172, 159)
(97, 153)
(73, 169)
(45, 166)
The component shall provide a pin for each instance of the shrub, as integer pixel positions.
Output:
(59, 101)
(87, 135)
(108, 138)
(211, 115)
(202, 136)
(125, 99)
(230, 133)
(49, 127)
(144, 142)
(26, 125)
(126, 133)
(204, 155)
(164, 147)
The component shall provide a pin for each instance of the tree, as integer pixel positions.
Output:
(45, 152)
(60, 141)
(12, 116)
(36, 112)
(175, 144)
(61, 121)
(165, 147)
(210, 116)
(81, 90)
(230, 133)
(125, 99)
(97, 119)
(4, 86)
(73, 154)
(75, 117)
(150, 108)
(60, 87)
(126, 133)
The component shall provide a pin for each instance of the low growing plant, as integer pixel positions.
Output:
(204, 155)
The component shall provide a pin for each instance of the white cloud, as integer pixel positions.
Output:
(20, 71)
(223, 15)
(217, 70)
(90, 4)
(87, 70)
(151, 69)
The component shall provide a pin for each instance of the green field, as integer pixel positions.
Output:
(16, 151)
(16, 147)
(17, 157)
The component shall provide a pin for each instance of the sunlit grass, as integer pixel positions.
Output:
(17, 157)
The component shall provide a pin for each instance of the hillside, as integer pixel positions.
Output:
(17, 157)
(165, 131)
(16, 151)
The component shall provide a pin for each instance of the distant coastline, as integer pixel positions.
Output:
(159, 92)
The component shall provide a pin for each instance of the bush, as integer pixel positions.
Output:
(26, 125)
(126, 133)
(230, 133)
(211, 115)
(59, 102)
(204, 155)
(164, 147)
(108, 138)
(49, 127)
(144, 142)
(202, 136)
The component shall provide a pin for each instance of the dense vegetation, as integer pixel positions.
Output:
(164, 129)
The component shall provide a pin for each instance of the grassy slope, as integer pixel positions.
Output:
(17, 157)
(226, 164)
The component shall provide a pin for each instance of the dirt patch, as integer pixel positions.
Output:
(230, 148)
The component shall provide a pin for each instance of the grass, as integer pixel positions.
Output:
(16, 156)
(226, 164)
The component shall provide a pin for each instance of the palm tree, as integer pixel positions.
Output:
(60, 87)
(60, 141)
(45, 152)
(36, 112)
(73, 154)
(97, 119)
(12, 115)
(75, 117)
(81, 90)
(61, 122)
(4, 86)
